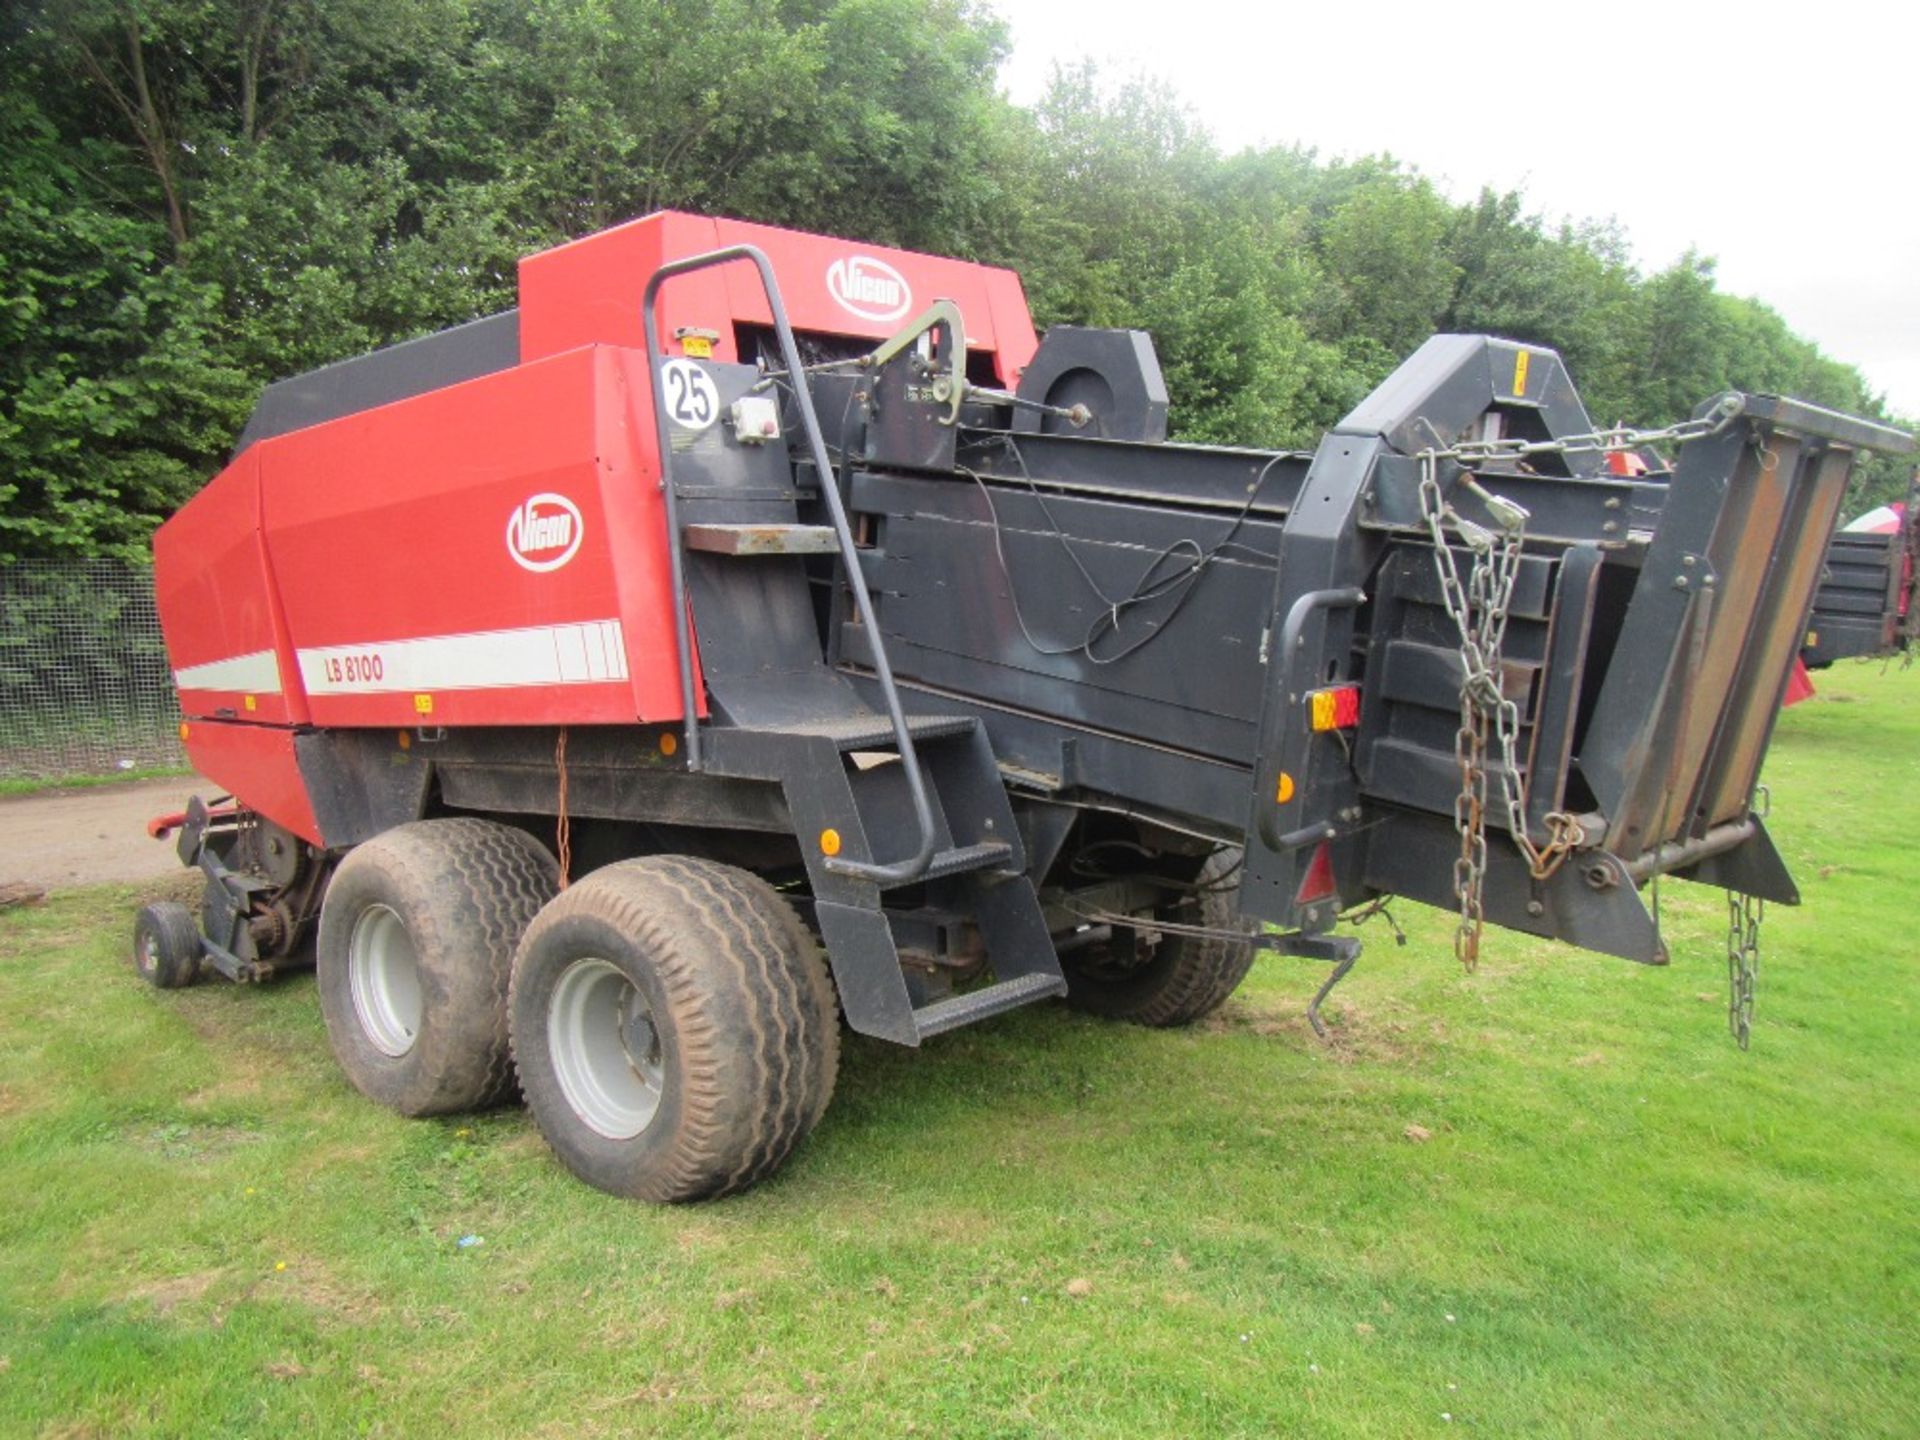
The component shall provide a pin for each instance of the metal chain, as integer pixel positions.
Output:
(1479, 606)
(1472, 453)
(1744, 914)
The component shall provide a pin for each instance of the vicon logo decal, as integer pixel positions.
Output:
(869, 288)
(544, 532)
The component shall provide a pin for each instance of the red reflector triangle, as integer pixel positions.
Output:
(1318, 883)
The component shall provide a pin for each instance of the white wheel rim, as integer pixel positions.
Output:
(383, 975)
(605, 1048)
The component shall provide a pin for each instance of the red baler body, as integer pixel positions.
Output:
(495, 552)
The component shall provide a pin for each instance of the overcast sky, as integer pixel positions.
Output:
(1779, 140)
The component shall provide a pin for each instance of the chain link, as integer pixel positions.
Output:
(1744, 914)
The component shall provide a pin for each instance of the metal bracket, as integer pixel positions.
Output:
(1341, 951)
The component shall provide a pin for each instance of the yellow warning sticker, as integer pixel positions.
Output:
(251, 703)
(696, 347)
(423, 704)
(1520, 374)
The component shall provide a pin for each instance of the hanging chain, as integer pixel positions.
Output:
(1479, 605)
(1744, 914)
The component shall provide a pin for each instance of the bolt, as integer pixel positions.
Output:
(1610, 527)
(1613, 502)
(1534, 907)
(1599, 877)
(1680, 582)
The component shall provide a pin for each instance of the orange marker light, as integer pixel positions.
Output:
(829, 842)
(183, 729)
(669, 742)
(1283, 792)
(405, 740)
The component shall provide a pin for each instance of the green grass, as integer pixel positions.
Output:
(37, 785)
(1620, 1226)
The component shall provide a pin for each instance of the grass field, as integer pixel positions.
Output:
(1618, 1226)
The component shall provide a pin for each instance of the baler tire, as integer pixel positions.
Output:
(1188, 976)
(455, 896)
(709, 970)
(166, 945)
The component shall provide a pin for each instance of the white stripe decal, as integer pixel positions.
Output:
(591, 652)
(257, 674)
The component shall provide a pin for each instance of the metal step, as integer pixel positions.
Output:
(983, 856)
(764, 539)
(875, 732)
(958, 1010)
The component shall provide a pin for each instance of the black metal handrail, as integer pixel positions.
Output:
(915, 865)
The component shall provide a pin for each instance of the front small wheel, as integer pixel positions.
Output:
(674, 1029)
(166, 945)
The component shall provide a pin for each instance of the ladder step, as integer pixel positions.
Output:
(770, 539)
(875, 732)
(958, 1010)
(983, 856)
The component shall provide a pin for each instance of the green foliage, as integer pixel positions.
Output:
(199, 196)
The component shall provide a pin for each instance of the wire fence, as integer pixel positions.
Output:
(84, 683)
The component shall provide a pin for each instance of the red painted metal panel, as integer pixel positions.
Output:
(489, 554)
(588, 292)
(219, 606)
(255, 764)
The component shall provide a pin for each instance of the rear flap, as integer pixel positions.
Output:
(1672, 747)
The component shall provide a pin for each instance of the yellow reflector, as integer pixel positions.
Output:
(251, 703)
(829, 842)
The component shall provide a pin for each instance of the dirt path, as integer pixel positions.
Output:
(67, 838)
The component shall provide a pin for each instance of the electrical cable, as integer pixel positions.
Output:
(1151, 585)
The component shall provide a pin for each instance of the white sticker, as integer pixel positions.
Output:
(692, 402)
(869, 288)
(544, 532)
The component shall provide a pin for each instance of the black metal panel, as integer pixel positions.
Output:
(1113, 373)
(361, 782)
(1559, 510)
(1440, 394)
(953, 618)
(1302, 780)
(614, 772)
(1195, 476)
(1856, 609)
(399, 372)
(1588, 902)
